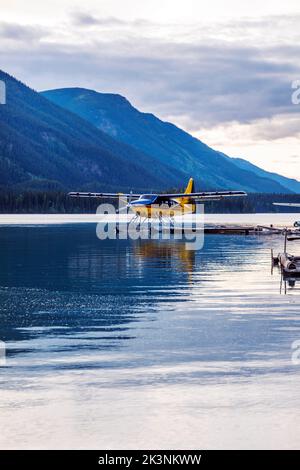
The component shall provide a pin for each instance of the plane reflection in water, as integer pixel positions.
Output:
(172, 252)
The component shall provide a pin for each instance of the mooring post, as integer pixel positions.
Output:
(285, 240)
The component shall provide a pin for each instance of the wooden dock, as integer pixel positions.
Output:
(220, 230)
(234, 230)
(244, 230)
(260, 230)
(289, 264)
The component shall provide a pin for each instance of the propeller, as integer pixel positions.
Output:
(127, 202)
(123, 209)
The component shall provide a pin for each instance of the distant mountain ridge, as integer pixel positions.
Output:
(43, 146)
(166, 143)
(78, 139)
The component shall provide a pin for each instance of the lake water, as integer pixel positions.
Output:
(143, 344)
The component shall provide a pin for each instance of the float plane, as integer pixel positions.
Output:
(163, 205)
(289, 204)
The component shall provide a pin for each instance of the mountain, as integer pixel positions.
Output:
(80, 139)
(289, 183)
(166, 143)
(44, 146)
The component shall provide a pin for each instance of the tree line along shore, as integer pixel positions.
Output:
(58, 202)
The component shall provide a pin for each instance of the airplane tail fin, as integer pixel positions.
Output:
(190, 187)
(188, 190)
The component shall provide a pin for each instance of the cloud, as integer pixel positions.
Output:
(278, 128)
(86, 20)
(89, 20)
(196, 78)
(17, 32)
(269, 143)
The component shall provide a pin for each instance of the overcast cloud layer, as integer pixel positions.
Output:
(232, 75)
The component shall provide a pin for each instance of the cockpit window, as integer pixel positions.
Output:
(150, 197)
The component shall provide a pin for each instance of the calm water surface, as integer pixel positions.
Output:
(123, 344)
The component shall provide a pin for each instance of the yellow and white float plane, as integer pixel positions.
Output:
(163, 205)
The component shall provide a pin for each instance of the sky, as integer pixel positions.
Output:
(222, 70)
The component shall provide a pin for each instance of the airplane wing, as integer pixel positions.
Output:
(214, 195)
(286, 204)
(103, 195)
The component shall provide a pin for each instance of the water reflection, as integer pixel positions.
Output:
(289, 283)
(63, 290)
(171, 253)
(144, 343)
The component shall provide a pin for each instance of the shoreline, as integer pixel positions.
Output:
(277, 219)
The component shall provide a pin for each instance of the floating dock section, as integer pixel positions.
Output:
(289, 264)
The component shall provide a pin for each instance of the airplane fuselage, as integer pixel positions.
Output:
(154, 206)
